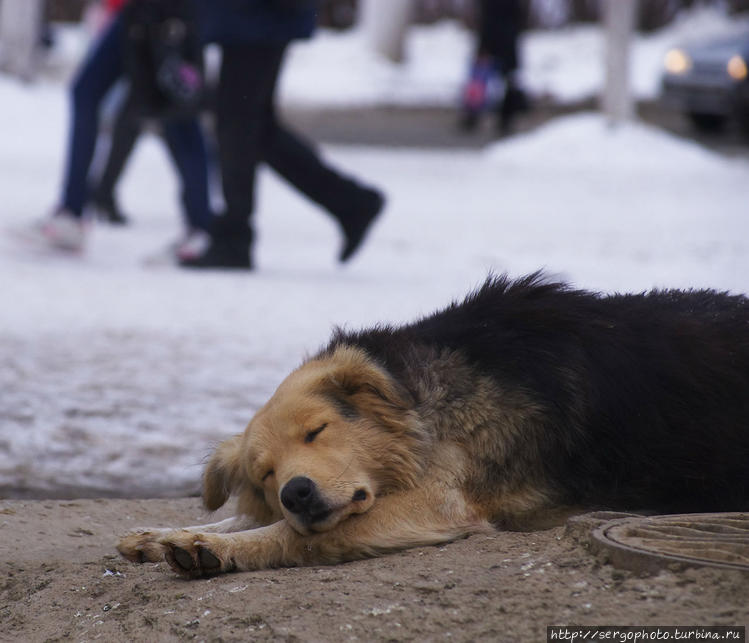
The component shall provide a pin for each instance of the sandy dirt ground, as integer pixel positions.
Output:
(61, 580)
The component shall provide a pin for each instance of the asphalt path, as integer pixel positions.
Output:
(437, 127)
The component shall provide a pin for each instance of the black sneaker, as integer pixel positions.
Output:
(225, 253)
(109, 211)
(357, 225)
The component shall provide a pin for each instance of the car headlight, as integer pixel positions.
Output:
(677, 61)
(736, 68)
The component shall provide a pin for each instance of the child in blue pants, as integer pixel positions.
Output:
(100, 71)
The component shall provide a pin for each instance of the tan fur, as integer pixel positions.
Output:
(396, 471)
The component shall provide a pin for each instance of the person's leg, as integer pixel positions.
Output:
(513, 103)
(186, 143)
(244, 109)
(96, 77)
(353, 205)
(245, 104)
(125, 133)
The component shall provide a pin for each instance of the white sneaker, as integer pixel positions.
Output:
(62, 231)
(193, 245)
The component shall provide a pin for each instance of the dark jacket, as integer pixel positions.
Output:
(500, 23)
(247, 22)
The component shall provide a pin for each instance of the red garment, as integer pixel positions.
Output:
(114, 5)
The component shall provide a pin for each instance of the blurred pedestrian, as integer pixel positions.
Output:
(254, 35)
(499, 24)
(163, 60)
(107, 63)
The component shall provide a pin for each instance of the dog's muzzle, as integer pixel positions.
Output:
(301, 497)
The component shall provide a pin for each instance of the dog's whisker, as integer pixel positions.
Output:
(346, 468)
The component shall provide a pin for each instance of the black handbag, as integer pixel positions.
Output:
(164, 58)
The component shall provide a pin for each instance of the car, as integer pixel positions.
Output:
(709, 81)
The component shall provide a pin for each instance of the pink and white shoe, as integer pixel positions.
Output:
(62, 231)
(193, 244)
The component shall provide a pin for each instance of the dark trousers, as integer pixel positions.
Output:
(499, 27)
(249, 132)
(96, 77)
(186, 144)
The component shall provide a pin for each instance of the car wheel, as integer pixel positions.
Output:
(708, 122)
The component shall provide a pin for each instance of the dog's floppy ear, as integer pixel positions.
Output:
(222, 474)
(360, 386)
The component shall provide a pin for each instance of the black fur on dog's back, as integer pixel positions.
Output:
(645, 397)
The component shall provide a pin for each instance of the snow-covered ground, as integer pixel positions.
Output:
(119, 377)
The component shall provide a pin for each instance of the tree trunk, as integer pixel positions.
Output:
(385, 24)
(619, 18)
(20, 33)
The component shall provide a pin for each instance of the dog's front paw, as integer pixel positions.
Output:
(196, 555)
(142, 547)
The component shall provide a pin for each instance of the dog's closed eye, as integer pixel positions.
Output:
(267, 475)
(311, 435)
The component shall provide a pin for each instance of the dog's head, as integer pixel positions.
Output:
(338, 432)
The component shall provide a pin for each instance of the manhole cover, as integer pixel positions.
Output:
(649, 543)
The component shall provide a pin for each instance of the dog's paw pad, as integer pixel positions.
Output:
(183, 558)
(192, 556)
(208, 561)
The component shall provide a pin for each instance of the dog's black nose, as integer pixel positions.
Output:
(299, 495)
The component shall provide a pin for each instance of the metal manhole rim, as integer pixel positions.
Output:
(635, 558)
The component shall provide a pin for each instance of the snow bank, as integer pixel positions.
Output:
(587, 141)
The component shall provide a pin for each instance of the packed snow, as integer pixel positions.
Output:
(119, 377)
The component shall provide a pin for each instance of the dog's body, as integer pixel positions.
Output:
(525, 402)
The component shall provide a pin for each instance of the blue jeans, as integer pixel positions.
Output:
(101, 70)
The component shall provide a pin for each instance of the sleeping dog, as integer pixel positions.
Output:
(525, 402)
